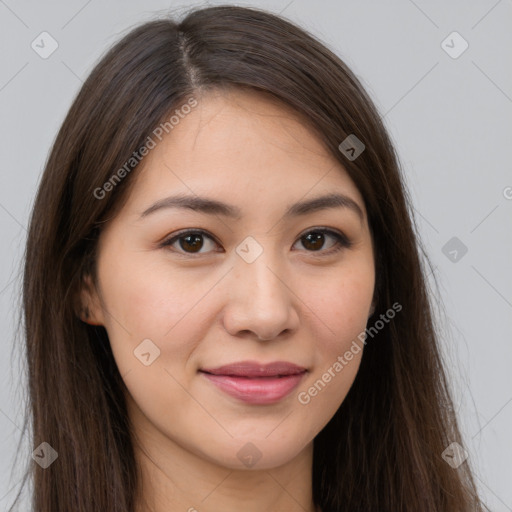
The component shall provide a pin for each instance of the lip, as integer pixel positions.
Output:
(256, 383)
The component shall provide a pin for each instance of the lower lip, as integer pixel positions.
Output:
(261, 390)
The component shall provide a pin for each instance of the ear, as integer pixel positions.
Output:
(89, 308)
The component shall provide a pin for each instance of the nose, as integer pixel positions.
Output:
(261, 302)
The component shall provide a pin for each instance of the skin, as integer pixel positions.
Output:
(204, 310)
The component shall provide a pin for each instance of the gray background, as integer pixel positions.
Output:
(449, 117)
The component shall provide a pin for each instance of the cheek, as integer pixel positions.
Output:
(151, 300)
(149, 297)
(341, 306)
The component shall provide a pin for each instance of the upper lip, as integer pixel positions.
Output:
(255, 369)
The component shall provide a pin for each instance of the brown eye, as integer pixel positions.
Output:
(315, 240)
(190, 242)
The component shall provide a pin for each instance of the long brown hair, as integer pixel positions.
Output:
(382, 450)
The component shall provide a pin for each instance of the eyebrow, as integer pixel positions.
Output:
(214, 207)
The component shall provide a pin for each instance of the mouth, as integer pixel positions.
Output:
(256, 383)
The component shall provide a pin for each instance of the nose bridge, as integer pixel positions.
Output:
(252, 262)
(259, 278)
(256, 271)
(259, 300)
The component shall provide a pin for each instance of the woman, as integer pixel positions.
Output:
(224, 302)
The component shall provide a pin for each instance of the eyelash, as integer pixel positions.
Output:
(342, 242)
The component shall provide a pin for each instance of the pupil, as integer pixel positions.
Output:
(313, 239)
(193, 240)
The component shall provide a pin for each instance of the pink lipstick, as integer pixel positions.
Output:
(256, 383)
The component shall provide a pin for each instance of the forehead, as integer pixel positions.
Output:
(240, 145)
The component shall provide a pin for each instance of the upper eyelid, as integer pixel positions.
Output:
(179, 234)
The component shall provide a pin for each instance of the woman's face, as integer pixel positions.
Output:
(264, 278)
